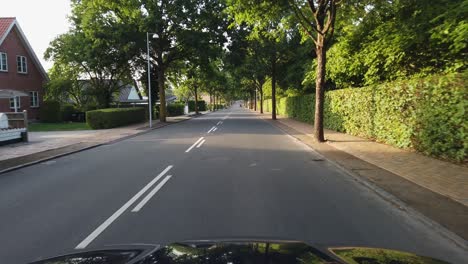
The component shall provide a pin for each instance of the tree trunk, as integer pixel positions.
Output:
(255, 100)
(273, 88)
(252, 100)
(320, 89)
(211, 100)
(162, 94)
(261, 101)
(196, 100)
(214, 102)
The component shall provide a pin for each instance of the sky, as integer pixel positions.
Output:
(40, 20)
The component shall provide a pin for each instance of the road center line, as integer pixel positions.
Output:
(122, 209)
(194, 144)
(201, 143)
(151, 194)
(211, 129)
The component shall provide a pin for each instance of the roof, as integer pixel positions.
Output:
(6, 25)
(5, 93)
(129, 94)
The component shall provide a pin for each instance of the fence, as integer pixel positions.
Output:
(17, 127)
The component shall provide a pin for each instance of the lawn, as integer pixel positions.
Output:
(42, 127)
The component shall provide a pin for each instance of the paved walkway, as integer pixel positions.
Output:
(442, 177)
(42, 141)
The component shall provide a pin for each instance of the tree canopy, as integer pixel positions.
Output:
(254, 48)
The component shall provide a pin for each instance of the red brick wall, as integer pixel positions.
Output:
(32, 81)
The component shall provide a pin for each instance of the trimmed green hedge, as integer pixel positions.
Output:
(201, 105)
(49, 112)
(218, 106)
(115, 117)
(175, 109)
(426, 114)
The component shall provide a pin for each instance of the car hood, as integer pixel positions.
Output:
(238, 251)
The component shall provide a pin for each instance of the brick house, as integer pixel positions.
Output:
(20, 70)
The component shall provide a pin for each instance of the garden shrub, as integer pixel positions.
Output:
(49, 112)
(218, 106)
(115, 117)
(201, 105)
(67, 112)
(175, 109)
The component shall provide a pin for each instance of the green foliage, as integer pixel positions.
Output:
(43, 127)
(155, 112)
(49, 112)
(183, 92)
(390, 40)
(114, 117)
(67, 111)
(427, 114)
(201, 105)
(450, 35)
(175, 109)
(216, 106)
(65, 87)
(94, 49)
(441, 127)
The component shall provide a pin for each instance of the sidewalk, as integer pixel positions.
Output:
(44, 145)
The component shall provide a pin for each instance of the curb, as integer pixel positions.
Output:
(48, 158)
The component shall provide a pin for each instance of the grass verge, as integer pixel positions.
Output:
(43, 127)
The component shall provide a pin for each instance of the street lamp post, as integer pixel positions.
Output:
(155, 35)
(149, 83)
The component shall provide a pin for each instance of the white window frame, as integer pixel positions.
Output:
(34, 97)
(23, 64)
(2, 66)
(18, 101)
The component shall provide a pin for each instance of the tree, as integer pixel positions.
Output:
(176, 27)
(381, 41)
(317, 18)
(98, 52)
(265, 20)
(65, 87)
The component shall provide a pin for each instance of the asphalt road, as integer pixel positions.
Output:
(244, 179)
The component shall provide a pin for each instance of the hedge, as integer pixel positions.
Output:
(218, 106)
(201, 105)
(67, 112)
(49, 112)
(175, 109)
(425, 114)
(115, 117)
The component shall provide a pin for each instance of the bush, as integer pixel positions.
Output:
(201, 105)
(67, 112)
(218, 106)
(115, 117)
(156, 112)
(426, 114)
(49, 112)
(175, 109)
